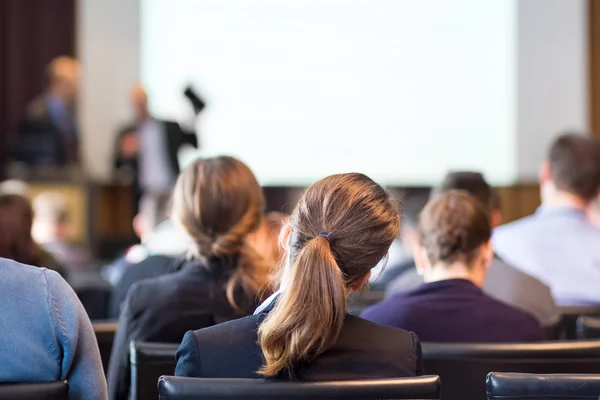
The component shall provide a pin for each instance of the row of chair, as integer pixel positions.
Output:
(462, 367)
(499, 386)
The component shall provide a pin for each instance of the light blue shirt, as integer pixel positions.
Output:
(560, 248)
(155, 172)
(46, 334)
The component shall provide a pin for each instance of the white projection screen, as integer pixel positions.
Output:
(401, 90)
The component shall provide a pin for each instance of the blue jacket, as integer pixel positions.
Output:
(46, 334)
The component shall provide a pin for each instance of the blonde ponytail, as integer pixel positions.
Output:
(309, 314)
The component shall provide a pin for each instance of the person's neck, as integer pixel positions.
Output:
(444, 272)
(554, 198)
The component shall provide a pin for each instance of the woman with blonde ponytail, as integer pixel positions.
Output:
(219, 204)
(341, 228)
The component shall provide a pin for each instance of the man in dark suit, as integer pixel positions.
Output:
(47, 133)
(147, 152)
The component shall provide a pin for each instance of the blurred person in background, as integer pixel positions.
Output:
(218, 202)
(503, 281)
(402, 273)
(453, 254)
(147, 152)
(558, 244)
(48, 133)
(52, 229)
(16, 242)
(265, 240)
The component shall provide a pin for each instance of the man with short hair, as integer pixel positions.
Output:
(503, 281)
(558, 244)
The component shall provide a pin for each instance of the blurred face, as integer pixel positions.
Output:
(139, 103)
(65, 79)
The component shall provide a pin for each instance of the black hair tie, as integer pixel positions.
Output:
(326, 235)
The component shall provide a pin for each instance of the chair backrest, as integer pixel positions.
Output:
(34, 391)
(588, 328)
(510, 386)
(569, 316)
(176, 388)
(463, 367)
(105, 335)
(148, 362)
(93, 292)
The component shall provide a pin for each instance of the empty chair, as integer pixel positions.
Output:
(34, 391)
(588, 328)
(148, 362)
(177, 388)
(105, 335)
(511, 386)
(463, 367)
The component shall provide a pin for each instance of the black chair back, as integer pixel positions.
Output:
(105, 335)
(34, 391)
(93, 292)
(569, 316)
(463, 367)
(148, 362)
(588, 328)
(507, 386)
(176, 388)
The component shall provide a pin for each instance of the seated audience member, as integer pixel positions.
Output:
(558, 244)
(52, 230)
(502, 281)
(453, 254)
(403, 274)
(341, 228)
(46, 334)
(265, 240)
(16, 242)
(218, 202)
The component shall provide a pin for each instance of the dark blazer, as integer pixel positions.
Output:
(363, 350)
(151, 267)
(164, 308)
(39, 140)
(455, 310)
(175, 137)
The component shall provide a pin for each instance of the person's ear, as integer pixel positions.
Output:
(357, 285)
(545, 173)
(284, 236)
(421, 260)
(488, 254)
(496, 218)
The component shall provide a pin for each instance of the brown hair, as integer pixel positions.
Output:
(342, 227)
(575, 164)
(265, 240)
(218, 201)
(471, 182)
(452, 227)
(16, 218)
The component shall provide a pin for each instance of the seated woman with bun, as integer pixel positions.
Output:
(453, 254)
(219, 203)
(341, 228)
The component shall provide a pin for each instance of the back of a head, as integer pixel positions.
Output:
(342, 227)
(574, 161)
(16, 218)
(218, 202)
(471, 182)
(452, 228)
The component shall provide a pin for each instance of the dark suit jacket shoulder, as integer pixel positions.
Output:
(363, 350)
(163, 309)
